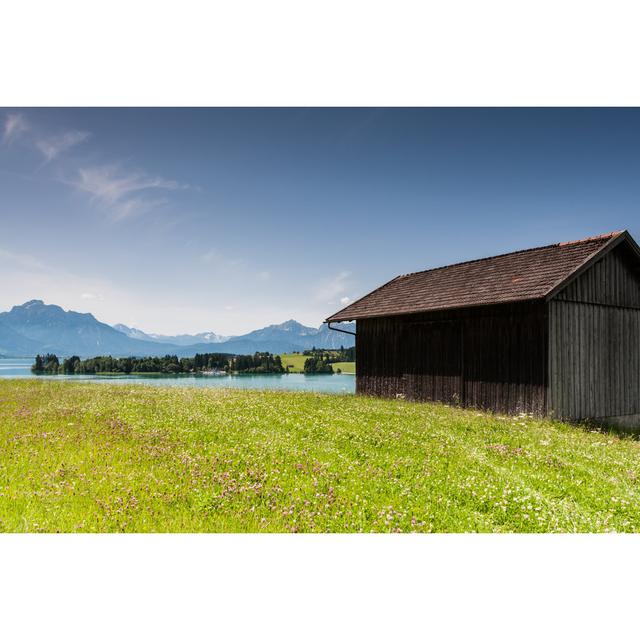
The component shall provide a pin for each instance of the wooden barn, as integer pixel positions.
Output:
(553, 330)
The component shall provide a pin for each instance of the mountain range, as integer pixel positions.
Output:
(35, 327)
(182, 339)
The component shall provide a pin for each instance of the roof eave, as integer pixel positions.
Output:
(434, 310)
(355, 302)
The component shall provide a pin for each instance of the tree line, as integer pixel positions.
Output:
(260, 362)
(318, 361)
(333, 355)
(317, 365)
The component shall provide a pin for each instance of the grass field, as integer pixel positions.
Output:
(296, 361)
(345, 367)
(83, 457)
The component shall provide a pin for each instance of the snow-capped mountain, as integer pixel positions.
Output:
(182, 339)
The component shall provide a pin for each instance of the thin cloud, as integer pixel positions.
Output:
(92, 296)
(223, 262)
(330, 291)
(21, 260)
(123, 192)
(50, 146)
(53, 146)
(136, 207)
(210, 256)
(15, 125)
(110, 183)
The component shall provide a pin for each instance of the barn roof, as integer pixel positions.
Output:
(512, 277)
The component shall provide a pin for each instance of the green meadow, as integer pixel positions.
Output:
(296, 362)
(293, 360)
(345, 367)
(79, 457)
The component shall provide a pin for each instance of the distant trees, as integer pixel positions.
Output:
(38, 365)
(169, 364)
(261, 362)
(318, 361)
(333, 355)
(69, 365)
(46, 364)
(348, 354)
(207, 362)
(317, 364)
(258, 363)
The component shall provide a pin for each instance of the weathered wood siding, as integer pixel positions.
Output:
(594, 342)
(594, 364)
(491, 357)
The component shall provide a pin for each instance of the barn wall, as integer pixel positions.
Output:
(594, 343)
(491, 357)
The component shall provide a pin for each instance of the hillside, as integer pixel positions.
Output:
(35, 327)
(235, 461)
(13, 343)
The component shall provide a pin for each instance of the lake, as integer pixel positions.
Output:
(325, 383)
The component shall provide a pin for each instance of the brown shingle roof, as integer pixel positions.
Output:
(522, 275)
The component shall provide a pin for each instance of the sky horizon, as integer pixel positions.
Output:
(188, 220)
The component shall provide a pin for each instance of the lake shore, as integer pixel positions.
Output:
(20, 368)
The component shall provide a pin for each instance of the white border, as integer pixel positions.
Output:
(335, 52)
(312, 586)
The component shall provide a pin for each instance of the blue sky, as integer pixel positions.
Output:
(185, 220)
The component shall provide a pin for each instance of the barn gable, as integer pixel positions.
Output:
(612, 279)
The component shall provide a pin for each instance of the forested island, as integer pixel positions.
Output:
(316, 361)
(200, 363)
